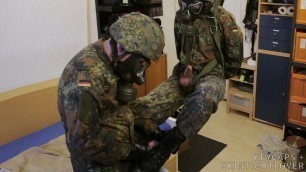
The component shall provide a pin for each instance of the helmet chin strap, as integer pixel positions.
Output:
(214, 7)
(113, 44)
(115, 54)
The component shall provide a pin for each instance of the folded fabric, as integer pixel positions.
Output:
(51, 157)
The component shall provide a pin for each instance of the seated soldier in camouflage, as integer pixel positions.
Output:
(209, 45)
(95, 89)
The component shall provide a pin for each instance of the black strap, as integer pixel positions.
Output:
(221, 2)
(208, 67)
(253, 43)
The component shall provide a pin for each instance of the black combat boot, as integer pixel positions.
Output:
(169, 144)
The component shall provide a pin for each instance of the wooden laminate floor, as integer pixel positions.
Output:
(242, 136)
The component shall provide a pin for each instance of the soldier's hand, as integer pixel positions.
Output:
(152, 143)
(139, 152)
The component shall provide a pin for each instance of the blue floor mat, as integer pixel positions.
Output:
(38, 138)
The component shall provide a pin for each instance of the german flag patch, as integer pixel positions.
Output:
(84, 83)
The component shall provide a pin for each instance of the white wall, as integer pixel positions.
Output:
(38, 38)
(232, 6)
(92, 21)
(169, 9)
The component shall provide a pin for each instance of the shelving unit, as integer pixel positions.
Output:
(270, 8)
(296, 119)
(106, 14)
(128, 7)
(240, 94)
(273, 61)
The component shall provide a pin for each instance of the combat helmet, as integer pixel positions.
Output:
(139, 34)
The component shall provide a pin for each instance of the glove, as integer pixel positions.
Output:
(158, 134)
(139, 152)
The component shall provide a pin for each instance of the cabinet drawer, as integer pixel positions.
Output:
(275, 45)
(241, 100)
(275, 33)
(276, 21)
(297, 113)
(300, 47)
(298, 87)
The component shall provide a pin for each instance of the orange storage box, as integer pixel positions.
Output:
(301, 12)
(297, 106)
(298, 87)
(300, 47)
(297, 113)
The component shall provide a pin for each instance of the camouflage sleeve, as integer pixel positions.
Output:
(99, 129)
(232, 43)
(105, 137)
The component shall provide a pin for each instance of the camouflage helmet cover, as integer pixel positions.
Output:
(140, 34)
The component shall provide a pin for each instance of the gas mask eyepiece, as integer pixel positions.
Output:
(194, 8)
(132, 70)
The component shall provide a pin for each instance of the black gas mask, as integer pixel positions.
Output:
(191, 9)
(130, 71)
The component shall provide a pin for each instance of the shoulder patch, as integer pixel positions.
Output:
(84, 78)
(84, 83)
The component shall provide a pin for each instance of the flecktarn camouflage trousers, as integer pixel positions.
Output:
(154, 108)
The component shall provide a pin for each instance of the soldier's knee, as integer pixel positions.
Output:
(210, 101)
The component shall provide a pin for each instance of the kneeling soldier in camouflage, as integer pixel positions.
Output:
(95, 89)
